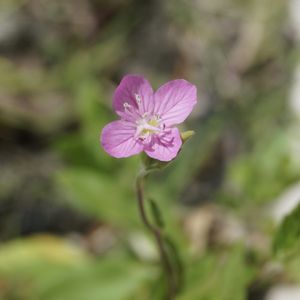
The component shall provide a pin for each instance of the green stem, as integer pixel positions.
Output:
(164, 258)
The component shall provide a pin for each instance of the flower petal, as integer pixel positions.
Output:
(117, 139)
(165, 146)
(135, 91)
(174, 101)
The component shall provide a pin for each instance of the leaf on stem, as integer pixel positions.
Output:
(286, 240)
(156, 214)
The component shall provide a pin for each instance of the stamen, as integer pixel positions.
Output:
(138, 98)
(126, 105)
(147, 127)
(157, 117)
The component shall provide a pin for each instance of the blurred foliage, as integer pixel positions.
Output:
(59, 64)
(286, 240)
(245, 172)
(55, 269)
(222, 276)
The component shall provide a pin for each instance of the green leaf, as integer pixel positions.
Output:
(156, 214)
(26, 255)
(99, 195)
(53, 269)
(218, 277)
(186, 135)
(287, 238)
(177, 263)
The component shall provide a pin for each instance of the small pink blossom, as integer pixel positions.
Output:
(147, 118)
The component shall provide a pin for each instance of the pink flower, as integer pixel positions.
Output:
(147, 118)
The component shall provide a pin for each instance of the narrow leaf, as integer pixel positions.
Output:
(156, 214)
(287, 238)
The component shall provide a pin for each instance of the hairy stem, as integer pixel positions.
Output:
(157, 234)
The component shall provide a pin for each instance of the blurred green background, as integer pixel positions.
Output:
(69, 227)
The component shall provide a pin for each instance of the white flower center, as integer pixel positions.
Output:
(147, 126)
